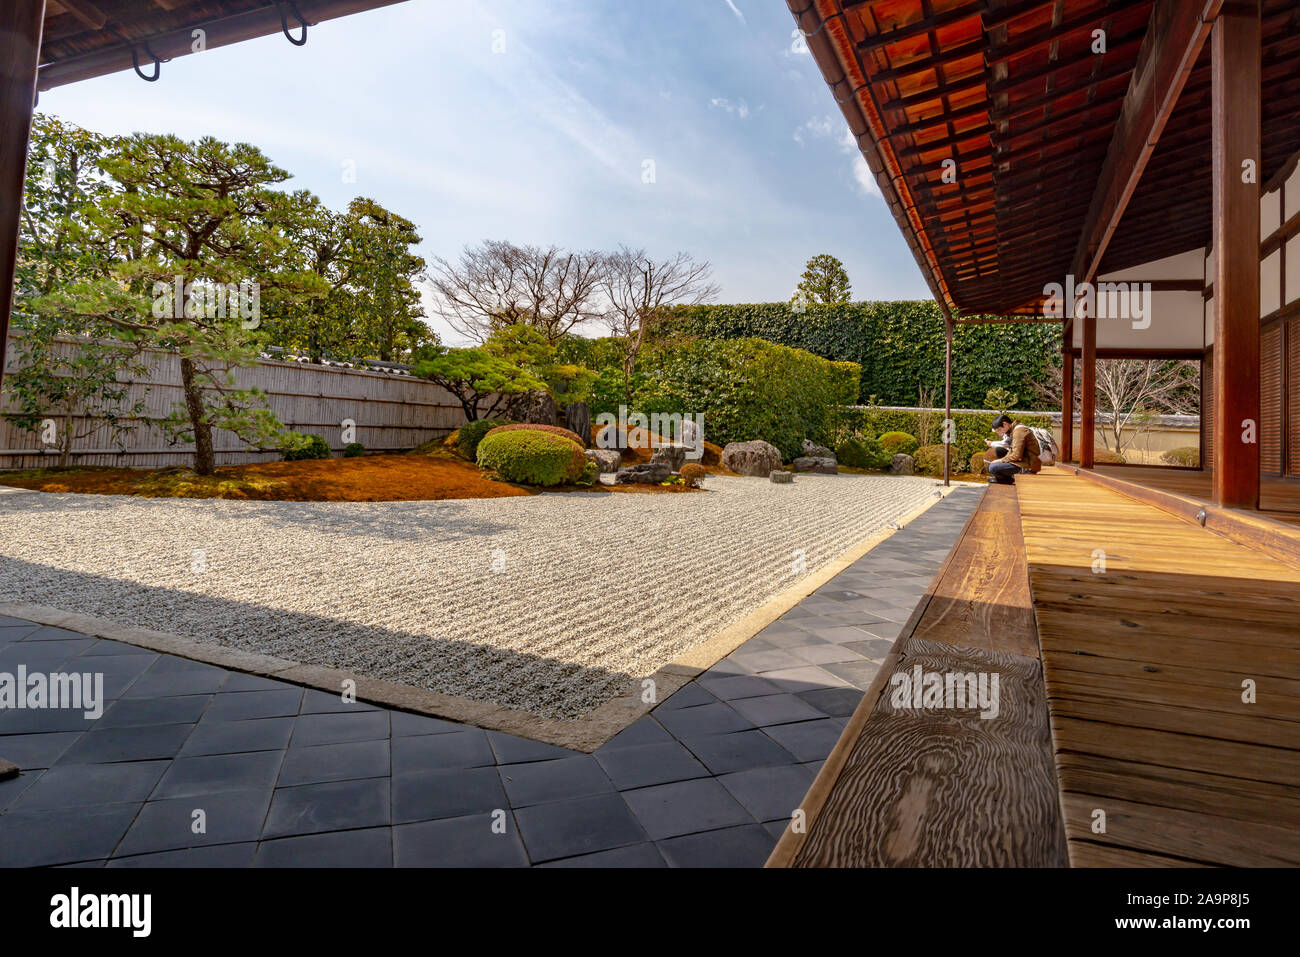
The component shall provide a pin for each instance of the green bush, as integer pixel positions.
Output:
(972, 428)
(1188, 456)
(899, 442)
(846, 382)
(928, 460)
(899, 345)
(745, 389)
(553, 429)
(590, 474)
(862, 452)
(1106, 457)
(532, 457)
(353, 449)
(301, 446)
(471, 434)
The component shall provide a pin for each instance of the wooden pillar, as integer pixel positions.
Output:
(20, 45)
(1235, 164)
(1088, 392)
(1067, 400)
(947, 402)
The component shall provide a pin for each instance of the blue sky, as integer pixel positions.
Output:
(536, 122)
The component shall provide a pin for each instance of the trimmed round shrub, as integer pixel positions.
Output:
(928, 460)
(353, 449)
(1188, 456)
(590, 474)
(469, 435)
(532, 457)
(301, 446)
(1106, 457)
(862, 452)
(896, 442)
(553, 429)
(692, 474)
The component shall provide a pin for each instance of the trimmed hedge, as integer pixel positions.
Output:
(353, 449)
(972, 428)
(899, 345)
(1187, 455)
(532, 457)
(899, 442)
(745, 389)
(552, 429)
(305, 447)
(469, 435)
(928, 460)
(862, 452)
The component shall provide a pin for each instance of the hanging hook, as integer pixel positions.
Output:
(284, 23)
(157, 64)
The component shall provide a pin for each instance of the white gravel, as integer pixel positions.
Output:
(551, 603)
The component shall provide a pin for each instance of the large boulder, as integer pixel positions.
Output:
(673, 456)
(902, 465)
(813, 450)
(815, 463)
(751, 458)
(609, 460)
(651, 473)
(577, 418)
(536, 407)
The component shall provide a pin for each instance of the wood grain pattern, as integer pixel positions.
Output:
(1144, 663)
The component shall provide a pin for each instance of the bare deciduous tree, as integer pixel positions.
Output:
(638, 290)
(500, 283)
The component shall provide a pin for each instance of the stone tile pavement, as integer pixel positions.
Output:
(194, 765)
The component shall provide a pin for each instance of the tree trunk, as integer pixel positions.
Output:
(204, 462)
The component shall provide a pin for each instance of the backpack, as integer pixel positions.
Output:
(1047, 450)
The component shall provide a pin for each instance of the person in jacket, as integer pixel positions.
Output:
(1022, 456)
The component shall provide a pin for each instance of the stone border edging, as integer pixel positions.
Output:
(586, 733)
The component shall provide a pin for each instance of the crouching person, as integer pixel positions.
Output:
(1022, 456)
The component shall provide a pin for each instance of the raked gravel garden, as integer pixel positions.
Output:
(550, 604)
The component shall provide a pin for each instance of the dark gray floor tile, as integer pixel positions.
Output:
(644, 730)
(30, 652)
(37, 838)
(136, 712)
(858, 673)
(582, 826)
(404, 724)
(512, 749)
(432, 752)
(705, 719)
(242, 682)
(747, 846)
(723, 753)
(230, 817)
(649, 764)
(106, 647)
(87, 785)
(22, 721)
(241, 705)
(336, 728)
(335, 762)
(685, 807)
(314, 808)
(155, 683)
(33, 751)
(688, 696)
(769, 794)
(370, 847)
(633, 855)
(12, 788)
(458, 842)
(198, 777)
(833, 701)
(807, 678)
(435, 795)
(775, 709)
(809, 741)
(216, 855)
(315, 701)
(235, 737)
(149, 743)
(731, 687)
(560, 780)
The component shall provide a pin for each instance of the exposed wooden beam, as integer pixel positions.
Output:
(20, 46)
(1178, 31)
(86, 12)
(1235, 67)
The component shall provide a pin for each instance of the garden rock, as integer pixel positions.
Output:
(813, 450)
(608, 459)
(751, 458)
(781, 477)
(649, 474)
(536, 407)
(577, 418)
(673, 456)
(815, 463)
(902, 465)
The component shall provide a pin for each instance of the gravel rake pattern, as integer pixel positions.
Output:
(550, 604)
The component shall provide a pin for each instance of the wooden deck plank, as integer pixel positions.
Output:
(1144, 663)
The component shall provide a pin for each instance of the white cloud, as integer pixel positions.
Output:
(740, 108)
(736, 10)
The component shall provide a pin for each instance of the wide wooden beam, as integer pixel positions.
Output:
(21, 22)
(1177, 32)
(1235, 168)
(1088, 394)
(1067, 402)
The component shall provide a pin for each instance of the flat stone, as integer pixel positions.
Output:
(819, 464)
(781, 477)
